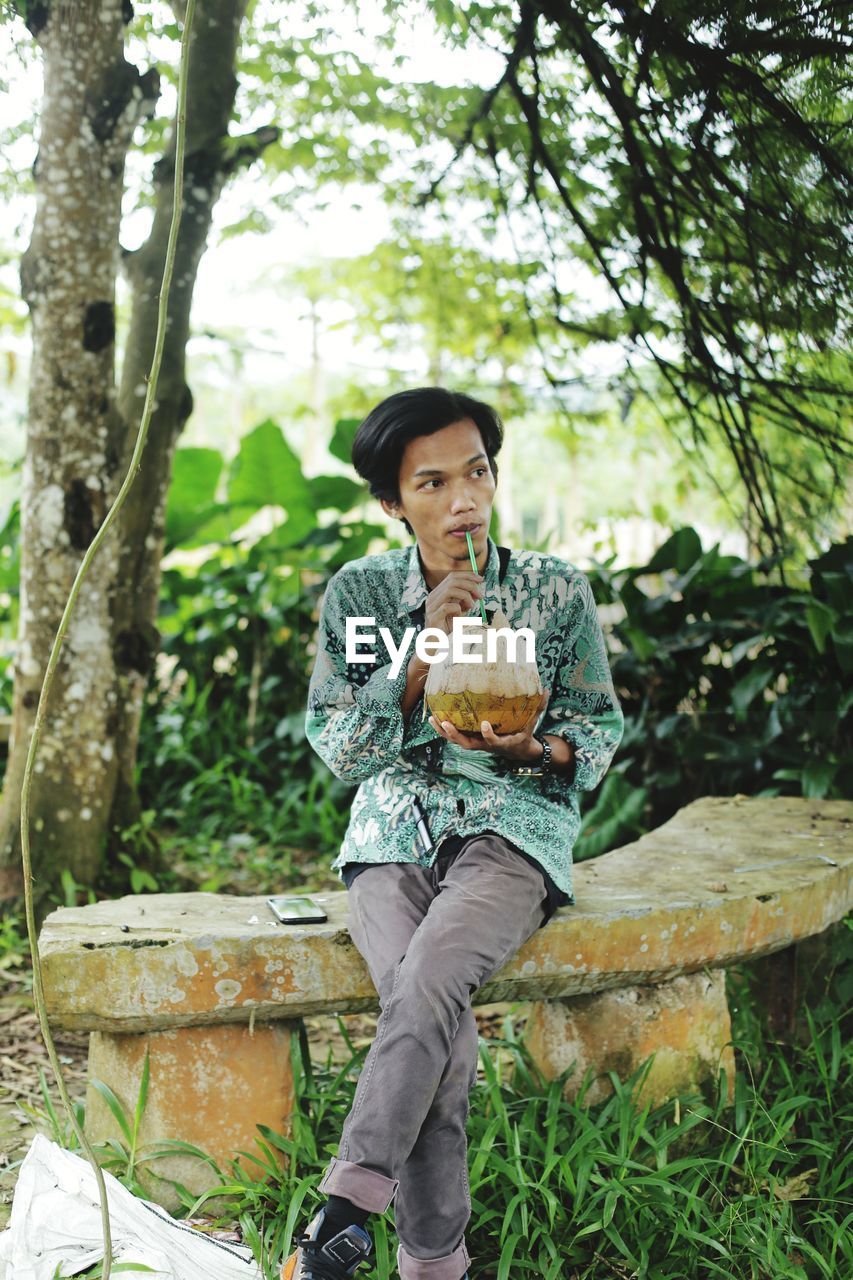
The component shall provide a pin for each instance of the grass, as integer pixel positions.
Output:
(692, 1189)
(698, 1189)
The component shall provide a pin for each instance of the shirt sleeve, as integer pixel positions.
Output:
(354, 720)
(583, 707)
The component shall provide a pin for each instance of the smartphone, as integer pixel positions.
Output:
(295, 908)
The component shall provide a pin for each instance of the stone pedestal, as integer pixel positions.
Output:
(209, 1086)
(684, 1023)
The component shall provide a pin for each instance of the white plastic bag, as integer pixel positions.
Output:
(56, 1223)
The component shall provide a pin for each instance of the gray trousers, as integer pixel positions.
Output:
(430, 937)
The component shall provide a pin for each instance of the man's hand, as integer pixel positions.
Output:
(454, 597)
(521, 746)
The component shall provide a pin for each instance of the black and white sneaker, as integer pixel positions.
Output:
(338, 1258)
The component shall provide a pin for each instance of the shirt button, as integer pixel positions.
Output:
(460, 808)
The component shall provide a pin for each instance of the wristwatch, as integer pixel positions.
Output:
(544, 765)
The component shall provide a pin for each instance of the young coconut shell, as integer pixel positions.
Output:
(466, 693)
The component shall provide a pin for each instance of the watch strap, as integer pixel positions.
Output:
(542, 767)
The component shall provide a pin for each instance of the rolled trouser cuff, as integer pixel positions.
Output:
(451, 1266)
(365, 1187)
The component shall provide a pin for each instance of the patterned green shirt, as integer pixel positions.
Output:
(355, 724)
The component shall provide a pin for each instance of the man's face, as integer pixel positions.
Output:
(446, 484)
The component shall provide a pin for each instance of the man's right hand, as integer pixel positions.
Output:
(454, 597)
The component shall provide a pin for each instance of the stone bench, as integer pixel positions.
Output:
(213, 988)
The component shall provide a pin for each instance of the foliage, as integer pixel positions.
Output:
(469, 321)
(13, 938)
(682, 158)
(730, 682)
(126, 1155)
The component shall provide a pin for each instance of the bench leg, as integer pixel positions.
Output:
(208, 1085)
(787, 983)
(684, 1022)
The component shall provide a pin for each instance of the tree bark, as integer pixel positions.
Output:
(81, 433)
(92, 101)
(211, 89)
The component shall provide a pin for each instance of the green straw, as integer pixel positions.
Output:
(476, 570)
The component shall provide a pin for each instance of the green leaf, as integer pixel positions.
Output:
(679, 552)
(338, 492)
(142, 1097)
(292, 531)
(120, 1266)
(643, 645)
(821, 620)
(842, 640)
(508, 1255)
(218, 523)
(817, 777)
(195, 475)
(756, 679)
(343, 435)
(115, 1107)
(617, 816)
(266, 472)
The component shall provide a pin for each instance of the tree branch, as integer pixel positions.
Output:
(525, 34)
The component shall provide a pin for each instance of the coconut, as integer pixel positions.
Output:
(467, 693)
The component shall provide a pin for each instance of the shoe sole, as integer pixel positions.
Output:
(288, 1270)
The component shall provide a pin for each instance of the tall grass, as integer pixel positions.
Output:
(760, 1190)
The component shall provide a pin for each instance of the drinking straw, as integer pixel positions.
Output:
(476, 570)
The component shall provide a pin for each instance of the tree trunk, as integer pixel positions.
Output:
(211, 89)
(92, 101)
(81, 439)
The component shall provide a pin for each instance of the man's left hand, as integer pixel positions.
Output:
(521, 746)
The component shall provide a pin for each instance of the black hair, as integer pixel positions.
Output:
(377, 450)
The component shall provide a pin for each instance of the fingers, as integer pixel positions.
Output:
(460, 600)
(502, 739)
(470, 741)
(454, 596)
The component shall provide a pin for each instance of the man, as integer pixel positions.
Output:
(435, 920)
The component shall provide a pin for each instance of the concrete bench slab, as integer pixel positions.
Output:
(725, 879)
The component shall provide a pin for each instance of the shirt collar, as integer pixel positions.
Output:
(415, 589)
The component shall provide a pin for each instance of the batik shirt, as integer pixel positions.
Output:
(355, 723)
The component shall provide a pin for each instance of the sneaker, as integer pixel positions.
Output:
(338, 1258)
